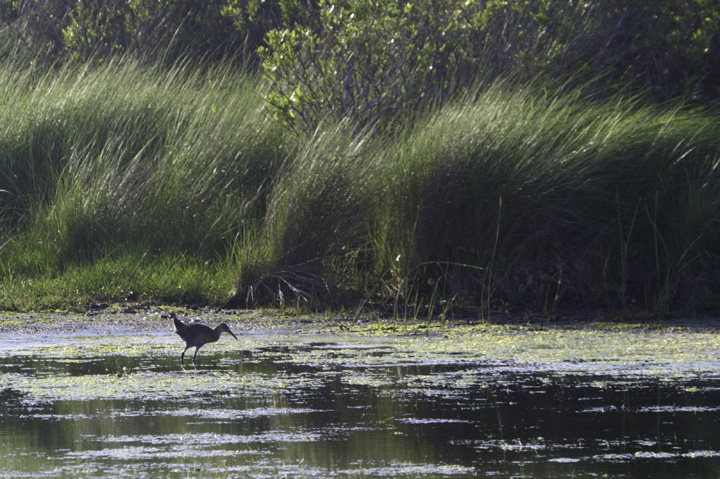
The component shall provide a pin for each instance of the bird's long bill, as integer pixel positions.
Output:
(226, 328)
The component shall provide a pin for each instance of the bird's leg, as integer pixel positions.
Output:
(194, 355)
(182, 355)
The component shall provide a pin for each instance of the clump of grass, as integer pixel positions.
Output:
(124, 160)
(610, 201)
(318, 213)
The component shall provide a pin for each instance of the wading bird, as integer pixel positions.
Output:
(196, 335)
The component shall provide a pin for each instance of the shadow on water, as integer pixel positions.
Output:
(347, 407)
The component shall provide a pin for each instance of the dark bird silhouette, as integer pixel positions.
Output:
(196, 335)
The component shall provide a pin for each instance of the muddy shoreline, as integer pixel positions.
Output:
(135, 321)
(129, 319)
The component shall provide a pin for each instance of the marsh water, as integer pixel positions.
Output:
(473, 402)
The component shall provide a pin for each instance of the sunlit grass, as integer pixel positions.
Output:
(533, 197)
(106, 165)
(170, 278)
(510, 195)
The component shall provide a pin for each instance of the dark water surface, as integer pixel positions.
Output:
(482, 404)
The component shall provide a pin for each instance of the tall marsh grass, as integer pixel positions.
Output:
(510, 196)
(128, 161)
(533, 198)
(127, 181)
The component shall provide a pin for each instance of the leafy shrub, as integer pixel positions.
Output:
(366, 60)
(669, 48)
(214, 28)
(35, 25)
(369, 60)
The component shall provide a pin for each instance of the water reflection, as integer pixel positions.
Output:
(305, 407)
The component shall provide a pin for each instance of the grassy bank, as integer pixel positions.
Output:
(131, 182)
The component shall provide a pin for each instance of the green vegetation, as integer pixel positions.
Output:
(364, 169)
(121, 181)
(369, 62)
